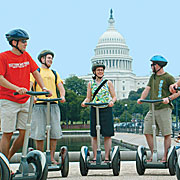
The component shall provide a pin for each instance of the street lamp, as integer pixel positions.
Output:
(125, 107)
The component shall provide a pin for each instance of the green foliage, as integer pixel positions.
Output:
(75, 93)
(120, 112)
(84, 115)
(76, 88)
(71, 111)
(79, 86)
(135, 95)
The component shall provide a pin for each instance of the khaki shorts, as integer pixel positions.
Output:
(163, 122)
(13, 115)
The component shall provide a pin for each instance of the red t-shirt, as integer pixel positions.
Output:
(16, 69)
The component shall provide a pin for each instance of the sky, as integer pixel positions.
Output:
(72, 28)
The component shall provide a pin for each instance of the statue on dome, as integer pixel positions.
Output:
(111, 12)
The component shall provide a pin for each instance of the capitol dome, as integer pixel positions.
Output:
(112, 50)
(111, 36)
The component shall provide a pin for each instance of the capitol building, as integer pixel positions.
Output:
(113, 51)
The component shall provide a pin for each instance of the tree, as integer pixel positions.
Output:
(119, 110)
(135, 95)
(79, 86)
(85, 115)
(75, 93)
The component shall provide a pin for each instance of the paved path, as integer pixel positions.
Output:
(127, 172)
(139, 139)
(128, 168)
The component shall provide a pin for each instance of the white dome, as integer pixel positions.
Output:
(112, 50)
(111, 36)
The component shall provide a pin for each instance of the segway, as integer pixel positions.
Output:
(177, 147)
(33, 164)
(63, 158)
(141, 155)
(86, 163)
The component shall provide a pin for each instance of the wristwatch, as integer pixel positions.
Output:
(44, 88)
(169, 98)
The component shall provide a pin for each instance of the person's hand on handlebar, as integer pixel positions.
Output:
(83, 104)
(165, 100)
(47, 90)
(111, 104)
(35, 99)
(63, 99)
(172, 88)
(21, 91)
(139, 101)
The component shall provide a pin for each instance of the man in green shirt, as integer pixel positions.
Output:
(158, 87)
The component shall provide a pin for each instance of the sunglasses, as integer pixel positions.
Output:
(153, 64)
(23, 41)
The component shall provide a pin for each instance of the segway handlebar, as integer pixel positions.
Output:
(151, 101)
(34, 93)
(49, 100)
(96, 104)
(177, 89)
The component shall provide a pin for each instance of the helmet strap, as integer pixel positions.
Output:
(95, 75)
(17, 47)
(155, 72)
(45, 62)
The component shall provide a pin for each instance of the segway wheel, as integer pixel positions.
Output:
(83, 166)
(139, 161)
(45, 173)
(37, 160)
(116, 163)
(65, 162)
(4, 169)
(172, 162)
(177, 171)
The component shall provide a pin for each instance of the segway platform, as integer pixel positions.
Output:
(86, 163)
(141, 155)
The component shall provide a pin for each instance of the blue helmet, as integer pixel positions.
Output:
(17, 34)
(161, 61)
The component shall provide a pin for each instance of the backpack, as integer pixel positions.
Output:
(55, 74)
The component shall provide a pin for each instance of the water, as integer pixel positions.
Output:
(75, 142)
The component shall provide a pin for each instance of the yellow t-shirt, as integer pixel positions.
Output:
(49, 82)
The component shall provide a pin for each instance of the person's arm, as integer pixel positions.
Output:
(62, 92)
(171, 97)
(144, 94)
(175, 85)
(113, 94)
(88, 97)
(39, 80)
(5, 83)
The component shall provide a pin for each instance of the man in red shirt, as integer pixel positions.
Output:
(15, 68)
